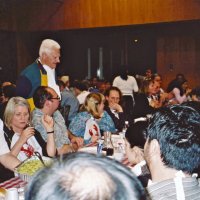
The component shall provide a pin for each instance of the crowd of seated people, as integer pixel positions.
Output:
(44, 129)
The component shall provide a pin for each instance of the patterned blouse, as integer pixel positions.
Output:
(78, 123)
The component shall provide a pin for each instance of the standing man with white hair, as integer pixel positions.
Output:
(41, 72)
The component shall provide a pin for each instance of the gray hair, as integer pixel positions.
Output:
(85, 176)
(47, 45)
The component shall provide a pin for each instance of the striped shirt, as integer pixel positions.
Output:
(166, 190)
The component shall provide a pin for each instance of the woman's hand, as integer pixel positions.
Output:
(94, 138)
(27, 133)
(48, 122)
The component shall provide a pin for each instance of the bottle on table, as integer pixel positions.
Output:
(107, 145)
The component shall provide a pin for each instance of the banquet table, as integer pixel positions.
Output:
(16, 182)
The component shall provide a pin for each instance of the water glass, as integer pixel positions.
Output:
(12, 194)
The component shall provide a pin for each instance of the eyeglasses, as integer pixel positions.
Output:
(57, 98)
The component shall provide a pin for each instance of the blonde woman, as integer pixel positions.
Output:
(92, 114)
(23, 140)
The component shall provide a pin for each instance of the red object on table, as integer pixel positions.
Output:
(15, 182)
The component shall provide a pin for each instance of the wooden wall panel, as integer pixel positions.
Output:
(74, 14)
(179, 54)
(101, 13)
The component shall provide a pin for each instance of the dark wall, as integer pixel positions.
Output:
(117, 44)
(8, 56)
(158, 46)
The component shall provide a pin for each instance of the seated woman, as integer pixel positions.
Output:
(179, 91)
(22, 139)
(114, 109)
(134, 146)
(144, 100)
(92, 115)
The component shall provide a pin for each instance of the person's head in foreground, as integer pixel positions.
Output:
(85, 176)
(173, 143)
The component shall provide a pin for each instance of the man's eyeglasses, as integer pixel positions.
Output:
(57, 98)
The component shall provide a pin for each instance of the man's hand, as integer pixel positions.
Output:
(116, 107)
(77, 142)
(48, 122)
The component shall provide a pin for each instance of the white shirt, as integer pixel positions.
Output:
(126, 86)
(178, 97)
(3, 144)
(31, 141)
(51, 79)
(82, 96)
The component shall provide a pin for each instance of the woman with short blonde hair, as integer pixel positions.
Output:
(10, 109)
(23, 140)
(92, 120)
(91, 104)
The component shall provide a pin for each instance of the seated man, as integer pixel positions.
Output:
(6, 158)
(172, 153)
(114, 108)
(47, 101)
(85, 176)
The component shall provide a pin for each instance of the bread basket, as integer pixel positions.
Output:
(30, 166)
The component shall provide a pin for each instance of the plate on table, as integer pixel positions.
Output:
(92, 150)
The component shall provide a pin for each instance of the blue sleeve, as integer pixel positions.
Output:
(77, 125)
(106, 123)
